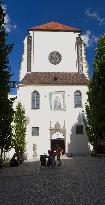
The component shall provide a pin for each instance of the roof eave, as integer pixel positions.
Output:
(55, 30)
(57, 84)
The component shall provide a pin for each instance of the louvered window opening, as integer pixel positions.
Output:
(35, 131)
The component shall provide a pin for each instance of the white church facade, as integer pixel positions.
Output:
(52, 88)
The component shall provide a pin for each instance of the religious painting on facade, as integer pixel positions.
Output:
(57, 100)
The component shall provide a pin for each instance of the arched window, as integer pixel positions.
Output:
(77, 99)
(35, 100)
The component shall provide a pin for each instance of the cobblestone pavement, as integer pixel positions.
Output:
(80, 181)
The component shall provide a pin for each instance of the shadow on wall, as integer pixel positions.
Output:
(79, 144)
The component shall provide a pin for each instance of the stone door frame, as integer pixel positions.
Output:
(58, 128)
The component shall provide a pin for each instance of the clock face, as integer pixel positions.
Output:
(55, 57)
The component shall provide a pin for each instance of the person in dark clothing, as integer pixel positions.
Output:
(13, 161)
(51, 159)
(49, 162)
(1, 163)
(43, 160)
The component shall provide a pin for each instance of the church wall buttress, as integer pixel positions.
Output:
(23, 68)
(29, 53)
(85, 64)
(79, 54)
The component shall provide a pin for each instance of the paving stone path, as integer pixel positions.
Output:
(80, 181)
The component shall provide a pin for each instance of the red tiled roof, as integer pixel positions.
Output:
(54, 26)
(54, 78)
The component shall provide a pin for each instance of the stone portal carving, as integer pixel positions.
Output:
(57, 128)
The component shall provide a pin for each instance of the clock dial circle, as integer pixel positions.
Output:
(55, 57)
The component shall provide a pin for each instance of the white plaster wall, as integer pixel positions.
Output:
(46, 42)
(43, 116)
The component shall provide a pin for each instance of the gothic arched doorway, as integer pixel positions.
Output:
(57, 137)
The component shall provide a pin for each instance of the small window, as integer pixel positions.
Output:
(77, 99)
(35, 131)
(35, 100)
(79, 129)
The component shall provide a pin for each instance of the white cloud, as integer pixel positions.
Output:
(89, 38)
(8, 25)
(15, 26)
(94, 15)
(86, 38)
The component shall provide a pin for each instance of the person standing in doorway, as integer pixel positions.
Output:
(58, 153)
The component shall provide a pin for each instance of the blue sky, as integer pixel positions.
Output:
(89, 16)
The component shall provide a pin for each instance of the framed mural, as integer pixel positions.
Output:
(57, 100)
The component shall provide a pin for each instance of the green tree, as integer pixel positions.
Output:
(6, 110)
(95, 108)
(19, 130)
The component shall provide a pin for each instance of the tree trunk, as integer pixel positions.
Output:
(1, 153)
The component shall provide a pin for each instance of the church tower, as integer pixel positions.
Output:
(52, 89)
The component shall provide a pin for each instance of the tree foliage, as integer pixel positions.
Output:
(6, 110)
(95, 108)
(19, 130)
